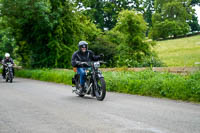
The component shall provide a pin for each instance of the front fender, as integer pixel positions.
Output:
(100, 75)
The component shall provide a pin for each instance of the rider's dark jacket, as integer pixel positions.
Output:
(83, 57)
(9, 60)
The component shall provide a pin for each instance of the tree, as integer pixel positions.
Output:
(171, 18)
(133, 49)
(104, 12)
(148, 11)
(7, 42)
(46, 31)
(194, 24)
(195, 2)
(106, 44)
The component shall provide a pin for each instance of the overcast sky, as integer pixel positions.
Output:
(198, 12)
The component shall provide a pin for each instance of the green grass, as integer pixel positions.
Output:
(179, 52)
(50, 75)
(147, 83)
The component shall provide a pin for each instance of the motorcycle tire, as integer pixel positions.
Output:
(7, 78)
(11, 77)
(100, 92)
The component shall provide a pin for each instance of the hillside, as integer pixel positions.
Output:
(179, 52)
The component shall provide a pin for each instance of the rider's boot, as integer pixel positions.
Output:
(82, 89)
(4, 77)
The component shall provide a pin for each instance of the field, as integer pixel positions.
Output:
(179, 52)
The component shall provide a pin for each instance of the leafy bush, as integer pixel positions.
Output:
(106, 44)
(155, 84)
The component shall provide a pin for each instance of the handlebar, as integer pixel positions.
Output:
(7, 64)
(89, 63)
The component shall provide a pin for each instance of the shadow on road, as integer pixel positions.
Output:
(14, 81)
(77, 98)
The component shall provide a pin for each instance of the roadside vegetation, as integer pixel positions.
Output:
(179, 52)
(146, 83)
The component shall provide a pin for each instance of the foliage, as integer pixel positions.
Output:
(104, 12)
(46, 32)
(7, 42)
(195, 2)
(148, 13)
(133, 49)
(170, 19)
(155, 84)
(106, 44)
(57, 76)
(167, 28)
(125, 44)
(147, 83)
(194, 24)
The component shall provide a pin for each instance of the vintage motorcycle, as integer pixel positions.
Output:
(95, 84)
(9, 72)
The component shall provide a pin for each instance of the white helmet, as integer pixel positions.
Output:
(7, 55)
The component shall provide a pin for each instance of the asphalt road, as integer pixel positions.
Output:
(29, 106)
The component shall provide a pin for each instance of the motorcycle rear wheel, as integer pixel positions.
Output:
(7, 78)
(11, 78)
(100, 92)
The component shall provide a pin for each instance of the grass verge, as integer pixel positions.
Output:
(146, 83)
(50, 75)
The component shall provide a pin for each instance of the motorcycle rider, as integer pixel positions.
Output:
(83, 55)
(4, 62)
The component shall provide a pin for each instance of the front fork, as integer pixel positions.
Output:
(95, 76)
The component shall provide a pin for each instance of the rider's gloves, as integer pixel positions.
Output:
(78, 63)
(84, 63)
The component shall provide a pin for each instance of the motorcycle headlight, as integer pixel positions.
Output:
(96, 64)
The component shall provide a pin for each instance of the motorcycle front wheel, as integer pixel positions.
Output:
(100, 91)
(7, 78)
(11, 78)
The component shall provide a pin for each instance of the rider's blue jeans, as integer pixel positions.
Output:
(81, 72)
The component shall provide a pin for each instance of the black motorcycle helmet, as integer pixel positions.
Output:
(82, 44)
